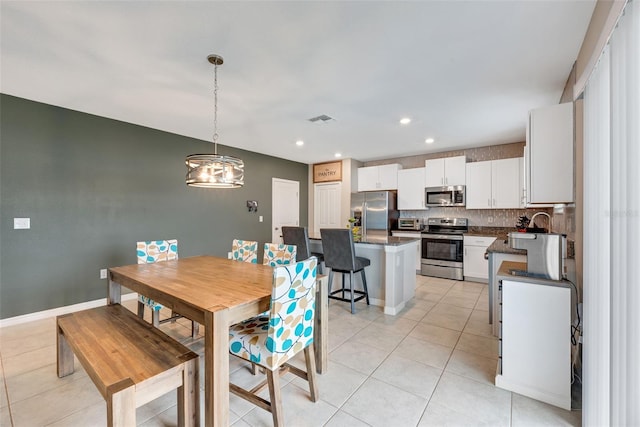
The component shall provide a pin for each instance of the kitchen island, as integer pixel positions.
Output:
(391, 277)
(498, 252)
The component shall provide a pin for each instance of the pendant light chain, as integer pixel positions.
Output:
(215, 108)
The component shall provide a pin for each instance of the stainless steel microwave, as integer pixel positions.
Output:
(453, 195)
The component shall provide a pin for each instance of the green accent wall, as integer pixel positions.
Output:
(93, 187)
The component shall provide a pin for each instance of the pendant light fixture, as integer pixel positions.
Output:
(214, 170)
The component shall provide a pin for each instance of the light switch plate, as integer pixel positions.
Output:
(21, 223)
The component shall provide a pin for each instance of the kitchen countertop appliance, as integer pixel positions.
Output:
(411, 224)
(442, 248)
(375, 213)
(546, 253)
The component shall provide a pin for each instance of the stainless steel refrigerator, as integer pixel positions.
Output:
(375, 212)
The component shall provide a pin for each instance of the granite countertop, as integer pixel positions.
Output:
(498, 232)
(381, 240)
(501, 245)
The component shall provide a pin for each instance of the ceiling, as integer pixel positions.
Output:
(465, 72)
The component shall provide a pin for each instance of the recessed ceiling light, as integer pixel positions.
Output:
(405, 121)
(429, 140)
(299, 143)
(337, 155)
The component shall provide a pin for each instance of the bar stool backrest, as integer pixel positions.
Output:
(339, 250)
(299, 237)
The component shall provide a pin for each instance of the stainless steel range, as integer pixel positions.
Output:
(442, 248)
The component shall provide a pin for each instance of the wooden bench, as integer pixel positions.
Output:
(130, 362)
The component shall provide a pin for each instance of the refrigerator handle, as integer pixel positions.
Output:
(363, 226)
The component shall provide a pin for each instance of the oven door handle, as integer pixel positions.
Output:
(441, 237)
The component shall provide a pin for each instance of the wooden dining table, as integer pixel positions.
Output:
(217, 293)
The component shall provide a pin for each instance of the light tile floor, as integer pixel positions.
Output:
(432, 365)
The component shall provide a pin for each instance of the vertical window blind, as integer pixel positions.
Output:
(611, 353)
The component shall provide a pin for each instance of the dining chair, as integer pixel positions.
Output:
(299, 237)
(271, 340)
(276, 254)
(340, 256)
(155, 251)
(244, 250)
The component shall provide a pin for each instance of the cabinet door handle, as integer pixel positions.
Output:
(489, 202)
(486, 256)
(494, 202)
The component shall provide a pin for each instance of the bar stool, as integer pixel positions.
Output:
(340, 256)
(299, 237)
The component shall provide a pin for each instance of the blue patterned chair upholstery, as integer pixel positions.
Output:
(155, 251)
(244, 250)
(277, 254)
(270, 341)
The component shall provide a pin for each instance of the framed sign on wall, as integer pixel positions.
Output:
(327, 172)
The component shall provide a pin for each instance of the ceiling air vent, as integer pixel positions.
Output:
(321, 118)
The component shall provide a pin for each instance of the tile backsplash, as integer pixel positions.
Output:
(480, 217)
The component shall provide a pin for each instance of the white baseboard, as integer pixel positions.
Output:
(25, 318)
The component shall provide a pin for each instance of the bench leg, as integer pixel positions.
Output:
(64, 355)
(189, 395)
(121, 408)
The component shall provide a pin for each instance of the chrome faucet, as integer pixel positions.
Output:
(532, 224)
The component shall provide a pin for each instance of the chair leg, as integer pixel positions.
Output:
(330, 281)
(141, 310)
(364, 285)
(310, 361)
(273, 379)
(353, 307)
(155, 318)
(343, 285)
(195, 329)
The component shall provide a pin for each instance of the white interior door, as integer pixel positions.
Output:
(326, 206)
(285, 206)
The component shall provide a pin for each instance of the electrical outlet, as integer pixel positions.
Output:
(103, 273)
(21, 223)
(229, 255)
(490, 220)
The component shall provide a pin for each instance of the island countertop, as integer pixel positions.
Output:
(379, 240)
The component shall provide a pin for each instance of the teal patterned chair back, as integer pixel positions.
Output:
(157, 250)
(273, 337)
(277, 254)
(245, 250)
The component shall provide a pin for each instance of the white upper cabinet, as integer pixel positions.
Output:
(549, 155)
(494, 184)
(377, 178)
(446, 171)
(479, 191)
(411, 189)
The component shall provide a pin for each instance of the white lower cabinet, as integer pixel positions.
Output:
(475, 265)
(415, 235)
(535, 356)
